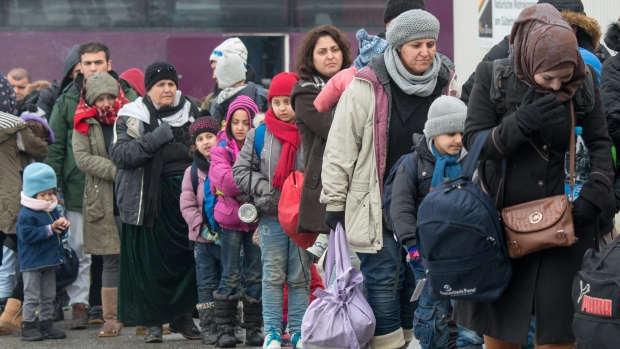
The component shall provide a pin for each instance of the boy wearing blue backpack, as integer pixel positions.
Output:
(438, 154)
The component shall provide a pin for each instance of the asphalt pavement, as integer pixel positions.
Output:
(87, 339)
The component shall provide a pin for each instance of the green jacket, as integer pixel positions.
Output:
(61, 158)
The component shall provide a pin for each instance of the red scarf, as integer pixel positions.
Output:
(105, 115)
(288, 135)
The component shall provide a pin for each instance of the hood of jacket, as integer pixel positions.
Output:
(588, 32)
(612, 36)
(72, 60)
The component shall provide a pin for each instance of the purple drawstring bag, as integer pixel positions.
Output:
(340, 317)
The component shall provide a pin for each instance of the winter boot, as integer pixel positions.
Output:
(12, 316)
(111, 327)
(80, 317)
(252, 320)
(185, 326)
(58, 314)
(153, 334)
(226, 318)
(238, 330)
(208, 328)
(49, 332)
(30, 332)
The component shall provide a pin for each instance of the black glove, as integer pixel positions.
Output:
(585, 213)
(536, 111)
(333, 217)
(163, 134)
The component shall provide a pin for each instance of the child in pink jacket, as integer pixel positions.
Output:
(234, 233)
(197, 207)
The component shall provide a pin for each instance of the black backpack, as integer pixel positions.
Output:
(596, 297)
(461, 240)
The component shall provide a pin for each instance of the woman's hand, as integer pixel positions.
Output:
(256, 238)
(163, 133)
(536, 111)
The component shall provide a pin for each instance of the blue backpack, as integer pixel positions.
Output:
(461, 240)
(259, 139)
(409, 160)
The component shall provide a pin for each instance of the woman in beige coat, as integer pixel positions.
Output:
(96, 113)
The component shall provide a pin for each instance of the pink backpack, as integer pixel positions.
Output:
(340, 317)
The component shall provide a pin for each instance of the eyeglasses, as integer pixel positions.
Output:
(159, 70)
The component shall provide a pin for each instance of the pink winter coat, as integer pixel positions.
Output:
(330, 94)
(223, 158)
(191, 204)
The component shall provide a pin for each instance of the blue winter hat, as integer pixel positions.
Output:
(370, 46)
(38, 177)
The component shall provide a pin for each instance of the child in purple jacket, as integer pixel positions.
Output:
(197, 208)
(234, 233)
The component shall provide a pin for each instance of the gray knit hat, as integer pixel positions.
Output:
(446, 115)
(230, 69)
(98, 84)
(412, 25)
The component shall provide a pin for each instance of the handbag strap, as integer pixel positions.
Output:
(571, 147)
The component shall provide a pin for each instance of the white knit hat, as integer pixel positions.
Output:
(230, 69)
(412, 25)
(446, 115)
(231, 45)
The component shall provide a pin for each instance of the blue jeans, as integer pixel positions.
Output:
(8, 272)
(283, 261)
(468, 339)
(208, 258)
(232, 241)
(429, 323)
(383, 286)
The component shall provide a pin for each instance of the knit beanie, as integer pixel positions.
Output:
(412, 25)
(282, 85)
(230, 69)
(370, 46)
(202, 125)
(565, 5)
(446, 115)
(135, 78)
(98, 84)
(38, 177)
(242, 102)
(394, 8)
(158, 71)
(231, 45)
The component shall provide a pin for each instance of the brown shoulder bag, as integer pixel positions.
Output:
(543, 223)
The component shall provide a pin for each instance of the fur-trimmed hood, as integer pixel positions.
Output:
(612, 36)
(588, 26)
(258, 119)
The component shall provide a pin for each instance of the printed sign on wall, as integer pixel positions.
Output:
(495, 19)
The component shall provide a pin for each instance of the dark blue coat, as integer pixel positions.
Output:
(37, 249)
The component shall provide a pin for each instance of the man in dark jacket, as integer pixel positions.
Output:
(94, 57)
(70, 70)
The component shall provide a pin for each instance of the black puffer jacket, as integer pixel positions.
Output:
(407, 196)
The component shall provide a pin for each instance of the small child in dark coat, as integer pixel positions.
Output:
(39, 227)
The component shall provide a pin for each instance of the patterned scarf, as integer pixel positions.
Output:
(318, 82)
(104, 115)
(288, 135)
(542, 40)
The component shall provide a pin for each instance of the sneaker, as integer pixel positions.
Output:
(95, 315)
(296, 341)
(272, 340)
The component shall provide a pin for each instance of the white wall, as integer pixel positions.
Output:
(467, 53)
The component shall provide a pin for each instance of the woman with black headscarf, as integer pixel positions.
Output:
(532, 137)
(157, 281)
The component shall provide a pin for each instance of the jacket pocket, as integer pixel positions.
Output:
(223, 213)
(358, 214)
(92, 203)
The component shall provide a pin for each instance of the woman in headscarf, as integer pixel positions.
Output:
(157, 281)
(100, 101)
(377, 115)
(532, 137)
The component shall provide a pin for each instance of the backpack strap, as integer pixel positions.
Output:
(584, 97)
(259, 139)
(412, 168)
(472, 157)
(503, 73)
(193, 172)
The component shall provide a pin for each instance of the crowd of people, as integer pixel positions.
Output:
(122, 194)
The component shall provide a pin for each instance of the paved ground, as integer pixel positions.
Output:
(87, 339)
